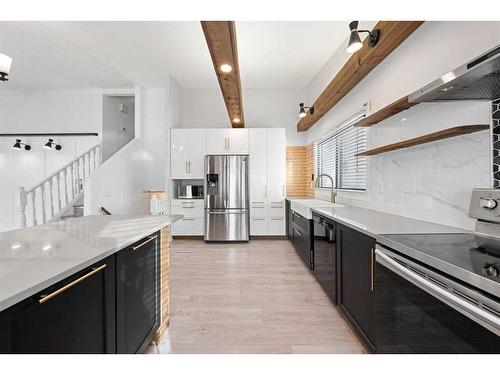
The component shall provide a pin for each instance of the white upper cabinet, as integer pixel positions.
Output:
(188, 149)
(276, 168)
(258, 167)
(227, 141)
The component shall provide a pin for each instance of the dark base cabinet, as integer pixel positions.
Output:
(355, 281)
(76, 315)
(112, 306)
(138, 295)
(302, 238)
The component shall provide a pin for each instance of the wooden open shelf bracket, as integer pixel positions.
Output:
(442, 134)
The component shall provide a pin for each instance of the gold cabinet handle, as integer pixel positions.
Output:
(46, 297)
(144, 243)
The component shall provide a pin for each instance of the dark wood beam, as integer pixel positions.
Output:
(221, 41)
(392, 34)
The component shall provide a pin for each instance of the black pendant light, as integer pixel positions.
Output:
(355, 41)
(20, 145)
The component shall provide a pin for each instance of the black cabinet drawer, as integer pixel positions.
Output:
(76, 315)
(301, 222)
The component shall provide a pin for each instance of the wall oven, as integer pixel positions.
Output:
(421, 310)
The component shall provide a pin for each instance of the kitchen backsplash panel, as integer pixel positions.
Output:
(433, 181)
(495, 113)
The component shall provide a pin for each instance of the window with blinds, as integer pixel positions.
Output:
(336, 156)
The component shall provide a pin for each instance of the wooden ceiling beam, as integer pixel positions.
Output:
(221, 41)
(392, 34)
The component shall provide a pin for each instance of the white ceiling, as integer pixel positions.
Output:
(119, 54)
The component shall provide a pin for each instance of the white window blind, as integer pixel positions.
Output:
(336, 156)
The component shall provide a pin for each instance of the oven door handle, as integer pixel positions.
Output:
(479, 315)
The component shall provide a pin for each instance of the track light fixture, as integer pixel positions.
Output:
(354, 40)
(51, 144)
(19, 145)
(303, 112)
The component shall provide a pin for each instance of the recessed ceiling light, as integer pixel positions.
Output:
(403, 119)
(15, 246)
(236, 120)
(47, 247)
(226, 68)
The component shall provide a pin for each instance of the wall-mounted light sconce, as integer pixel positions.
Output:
(303, 112)
(19, 145)
(354, 40)
(5, 62)
(51, 144)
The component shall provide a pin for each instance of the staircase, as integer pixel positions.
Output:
(61, 194)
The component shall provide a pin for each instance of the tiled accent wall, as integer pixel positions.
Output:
(495, 110)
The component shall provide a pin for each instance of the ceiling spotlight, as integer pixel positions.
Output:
(354, 40)
(5, 62)
(51, 144)
(236, 120)
(302, 110)
(226, 68)
(18, 145)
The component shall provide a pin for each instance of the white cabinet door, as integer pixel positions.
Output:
(188, 227)
(227, 141)
(217, 141)
(188, 149)
(258, 169)
(237, 141)
(258, 226)
(276, 226)
(276, 167)
(197, 152)
(179, 154)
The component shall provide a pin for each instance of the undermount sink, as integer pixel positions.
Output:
(303, 206)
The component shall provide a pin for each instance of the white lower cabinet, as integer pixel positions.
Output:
(276, 226)
(258, 226)
(188, 226)
(276, 209)
(193, 212)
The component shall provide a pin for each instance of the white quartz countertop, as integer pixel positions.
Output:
(34, 258)
(374, 223)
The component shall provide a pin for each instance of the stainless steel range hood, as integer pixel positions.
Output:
(478, 79)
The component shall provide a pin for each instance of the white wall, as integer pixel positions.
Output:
(262, 108)
(119, 184)
(40, 111)
(434, 181)
(117, 126)
(37, 111)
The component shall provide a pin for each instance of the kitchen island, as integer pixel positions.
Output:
(88, 284)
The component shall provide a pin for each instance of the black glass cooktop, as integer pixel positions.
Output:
(476, 254)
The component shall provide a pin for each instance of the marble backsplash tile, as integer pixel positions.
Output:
(433, 181)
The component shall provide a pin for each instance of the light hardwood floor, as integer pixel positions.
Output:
(249, 298)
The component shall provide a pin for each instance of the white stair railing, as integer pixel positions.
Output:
(47, 200)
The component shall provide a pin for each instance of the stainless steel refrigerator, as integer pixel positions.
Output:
(226, 198)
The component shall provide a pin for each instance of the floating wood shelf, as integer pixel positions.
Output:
(362, 62)
(392, 109)
(442, 134)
